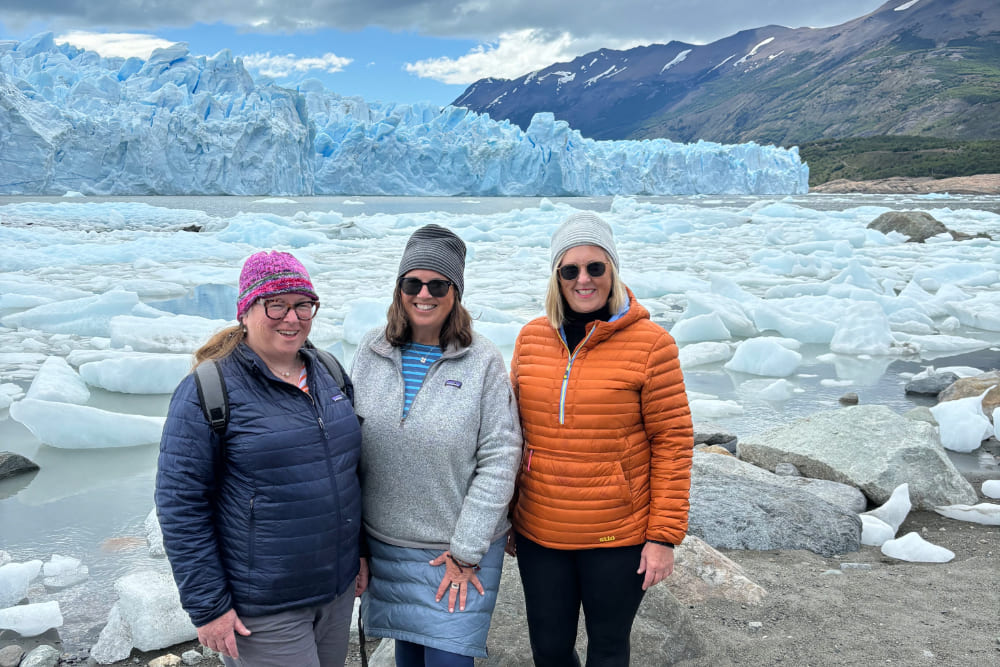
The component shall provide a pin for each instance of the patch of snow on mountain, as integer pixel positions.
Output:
(679, 58)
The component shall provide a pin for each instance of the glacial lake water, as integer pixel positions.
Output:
(90, 504)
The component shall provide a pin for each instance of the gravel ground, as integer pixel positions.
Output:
(819, 611)
(885, 612)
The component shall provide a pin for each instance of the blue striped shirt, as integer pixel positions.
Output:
(416, 360)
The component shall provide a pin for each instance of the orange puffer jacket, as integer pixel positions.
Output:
(608, 437)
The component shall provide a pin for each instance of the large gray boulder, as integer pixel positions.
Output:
(662, 634)
(737, 506)
(918, 226)
(869, 447)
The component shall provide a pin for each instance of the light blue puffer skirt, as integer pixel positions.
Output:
(400, 602)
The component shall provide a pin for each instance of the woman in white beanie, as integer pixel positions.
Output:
(440, 448)
(602, 493)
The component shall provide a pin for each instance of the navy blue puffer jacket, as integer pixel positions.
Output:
(270, 521)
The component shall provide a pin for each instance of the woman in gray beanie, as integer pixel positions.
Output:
(440, 448)
(602, 495)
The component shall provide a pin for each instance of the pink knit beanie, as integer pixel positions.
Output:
(268, 273)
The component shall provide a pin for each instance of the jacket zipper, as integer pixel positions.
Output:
(402, 419)
(569, 367)
(329, 465)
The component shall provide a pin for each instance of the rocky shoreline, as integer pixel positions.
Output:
(980, 184)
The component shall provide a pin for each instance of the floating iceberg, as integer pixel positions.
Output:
(83, 427)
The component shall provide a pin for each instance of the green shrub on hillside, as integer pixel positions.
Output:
(869, 158)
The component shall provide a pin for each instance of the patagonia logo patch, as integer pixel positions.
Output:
(338, 397)
(453, 383)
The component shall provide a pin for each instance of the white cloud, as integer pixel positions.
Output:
(282, 66)
(512, 55)
(121, 44)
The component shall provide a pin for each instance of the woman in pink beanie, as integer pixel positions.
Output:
(261, 516)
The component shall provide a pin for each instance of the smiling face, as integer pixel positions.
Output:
(585, 294)
(276, 341)
(425, 313)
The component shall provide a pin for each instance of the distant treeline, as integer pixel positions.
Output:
(869, 158)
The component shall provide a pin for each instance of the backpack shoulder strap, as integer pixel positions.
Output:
(212, 395)
(332, 365)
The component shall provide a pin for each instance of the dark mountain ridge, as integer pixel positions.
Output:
(930, 67)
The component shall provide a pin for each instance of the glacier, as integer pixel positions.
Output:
(72, 121)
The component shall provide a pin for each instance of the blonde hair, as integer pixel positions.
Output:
(555, 305)
(221, 344)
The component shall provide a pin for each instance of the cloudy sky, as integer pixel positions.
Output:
(403, 50)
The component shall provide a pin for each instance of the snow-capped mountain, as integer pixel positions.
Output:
(910, 67)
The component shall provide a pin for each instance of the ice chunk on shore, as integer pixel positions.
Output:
(57, 381)
(911, 547)
(991, 487)
(987, 514)
(874, 531)
(115, 641)
(962, 424)
(83, 427)
(895, 510)
(150, 605)
(29, 620)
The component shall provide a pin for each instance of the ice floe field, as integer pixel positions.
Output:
(780, 305)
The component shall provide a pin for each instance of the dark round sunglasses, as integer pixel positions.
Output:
(304, 310)
(412, 286)
(572, 271)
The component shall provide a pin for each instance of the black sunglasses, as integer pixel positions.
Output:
(412, 286)
(572, 271)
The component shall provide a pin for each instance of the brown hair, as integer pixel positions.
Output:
(221, 344)
(457, 328)
(555, 306)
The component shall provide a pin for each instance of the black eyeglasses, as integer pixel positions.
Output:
(304, 310)
(572, 271)
(437, 288)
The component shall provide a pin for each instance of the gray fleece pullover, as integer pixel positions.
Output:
(442, 477)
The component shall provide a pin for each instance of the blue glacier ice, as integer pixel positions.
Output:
(73, 121)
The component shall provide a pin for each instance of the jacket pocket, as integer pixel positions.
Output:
(566, 486)
(252, 533)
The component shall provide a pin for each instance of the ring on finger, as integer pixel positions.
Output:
(454, 585)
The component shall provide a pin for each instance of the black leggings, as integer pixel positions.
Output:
(557, 581)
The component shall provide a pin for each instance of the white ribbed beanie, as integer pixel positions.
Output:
(583, 228)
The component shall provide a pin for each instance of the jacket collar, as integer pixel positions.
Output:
(631, 311)
(252, 361)
(382, 347)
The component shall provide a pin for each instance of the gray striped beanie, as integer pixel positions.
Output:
(583, 228)
(435, 248)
